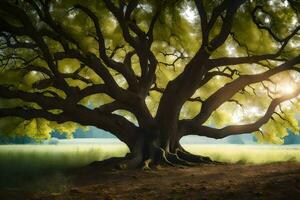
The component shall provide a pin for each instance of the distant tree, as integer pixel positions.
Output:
(52, 141)
(292, 139)
(150, 72)
(235, 140)
(17, 140)
(58, 135)
(92, 133)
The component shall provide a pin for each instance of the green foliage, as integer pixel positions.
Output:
(177, 33)
(36, 128)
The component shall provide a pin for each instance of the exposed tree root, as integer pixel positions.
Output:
(174, 158)
(146, 165)
(160, 157)
(194, 158)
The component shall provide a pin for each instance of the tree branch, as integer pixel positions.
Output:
(225, 93)
(31, 114)
(239, 129)
(45, 102)
(252, 59)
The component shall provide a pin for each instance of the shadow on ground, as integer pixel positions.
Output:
(230, 181)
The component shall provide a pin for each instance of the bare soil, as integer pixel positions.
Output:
(213, 181)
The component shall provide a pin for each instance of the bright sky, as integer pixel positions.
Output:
(189, 13)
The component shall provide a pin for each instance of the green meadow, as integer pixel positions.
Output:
(63, 156)
(248, 154)
(23, 163)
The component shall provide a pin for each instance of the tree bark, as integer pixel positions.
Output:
(149, 149)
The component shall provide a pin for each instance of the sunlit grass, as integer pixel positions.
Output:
(39, 166)
(20, 158)
(20, 164)
(40, 157)
(248, 154)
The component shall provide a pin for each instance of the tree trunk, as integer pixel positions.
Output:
(151, 149)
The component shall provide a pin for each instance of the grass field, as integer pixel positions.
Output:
(38, 166)
(40, 157)
(20, 163)
(248, 154)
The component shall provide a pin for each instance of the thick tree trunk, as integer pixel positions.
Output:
(150, 149)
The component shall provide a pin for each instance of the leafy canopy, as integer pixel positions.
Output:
(176, 39)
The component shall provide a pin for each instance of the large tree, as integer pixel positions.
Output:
(151, 72)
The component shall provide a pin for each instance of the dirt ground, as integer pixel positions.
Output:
(230, 181)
